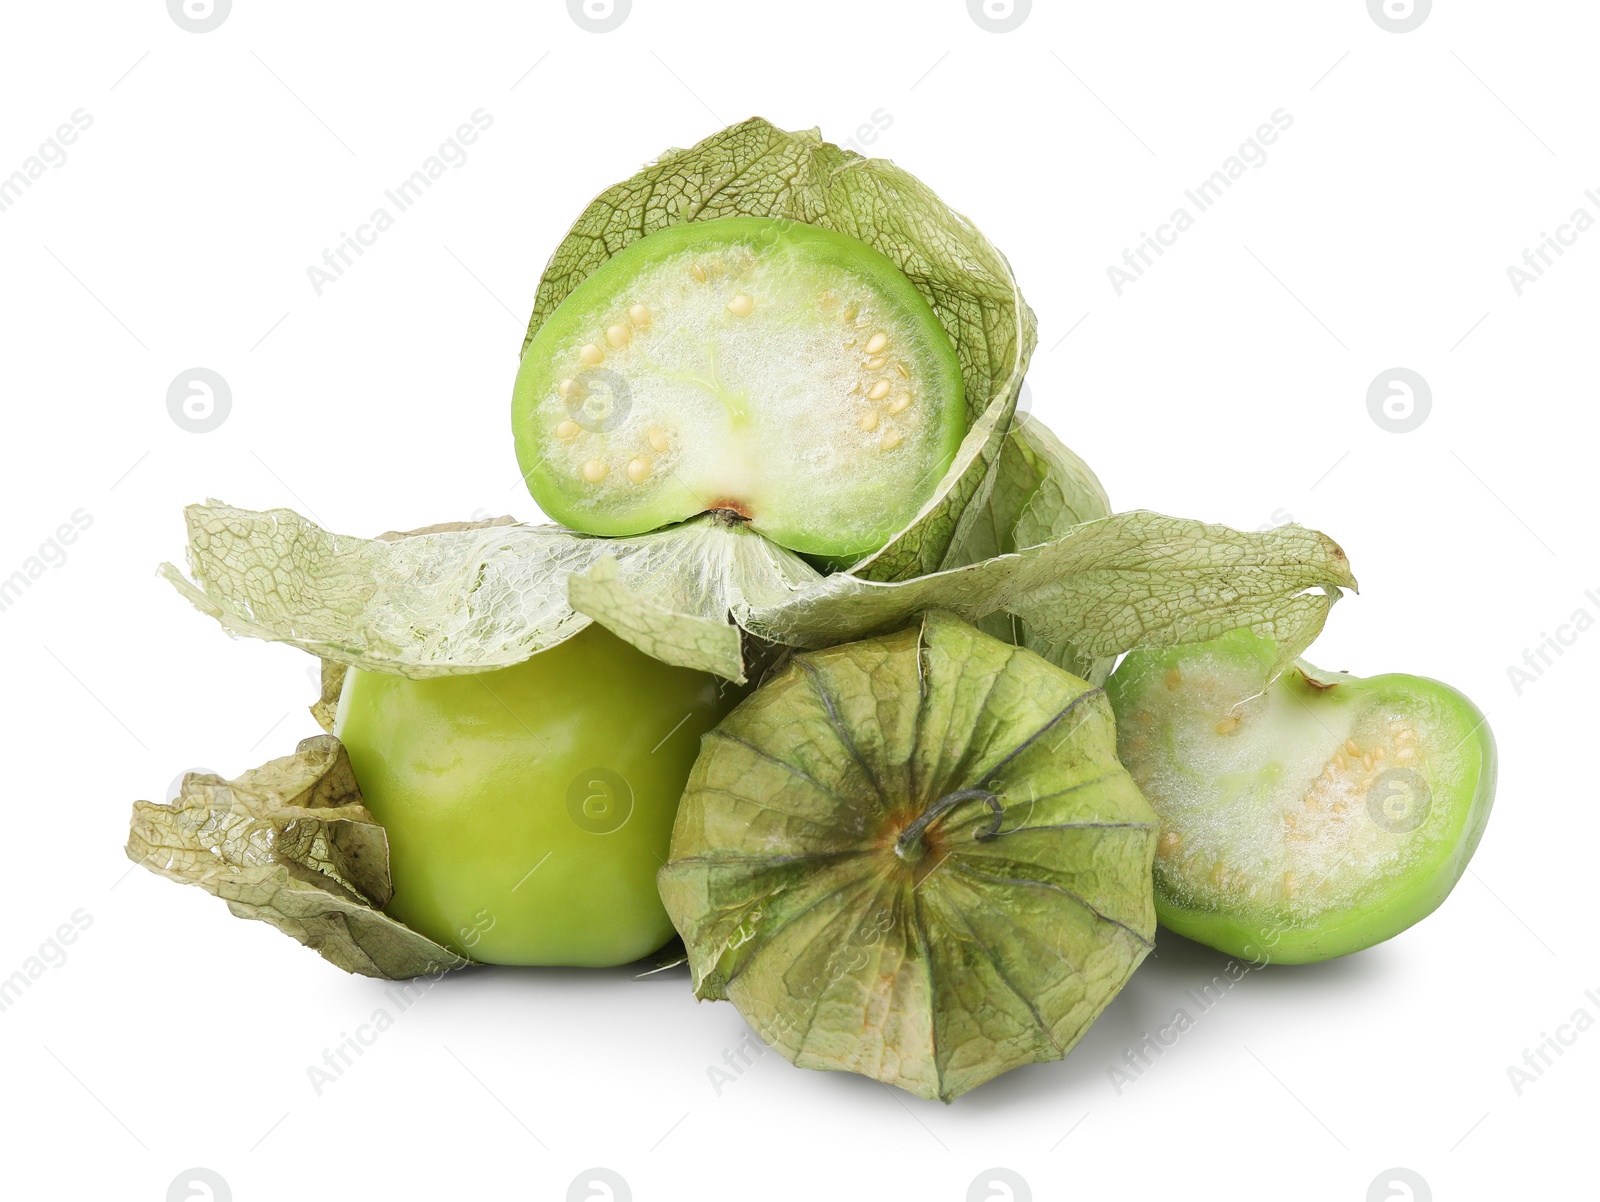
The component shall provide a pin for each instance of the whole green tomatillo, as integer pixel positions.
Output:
(528, 809)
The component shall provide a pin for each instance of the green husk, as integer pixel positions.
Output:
(469, 600)
(290, 844)
(915, 857)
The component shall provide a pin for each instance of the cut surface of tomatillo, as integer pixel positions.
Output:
(1307, 819)
(773, 369)
(914, 857)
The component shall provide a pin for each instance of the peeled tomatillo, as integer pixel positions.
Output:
(768, 368)
(1306, 819)
(528, 809)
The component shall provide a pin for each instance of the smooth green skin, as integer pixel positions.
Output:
(471, 777)
(554, 491)
(1392, 907)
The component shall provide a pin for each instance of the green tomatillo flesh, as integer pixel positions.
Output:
(527, 809)
(1305, 819)
(769, 368)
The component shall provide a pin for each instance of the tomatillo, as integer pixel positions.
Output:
(529, 808)
(1303, 819)
(770, 368)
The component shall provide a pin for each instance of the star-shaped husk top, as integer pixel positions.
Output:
(915, 857)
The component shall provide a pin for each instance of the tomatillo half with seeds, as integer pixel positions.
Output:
(769, 368)
(527, 809)
(1306, 819)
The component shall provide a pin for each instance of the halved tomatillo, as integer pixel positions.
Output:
(1306, 819)
(777, 370)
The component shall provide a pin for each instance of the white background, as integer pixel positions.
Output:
(1229, 383)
